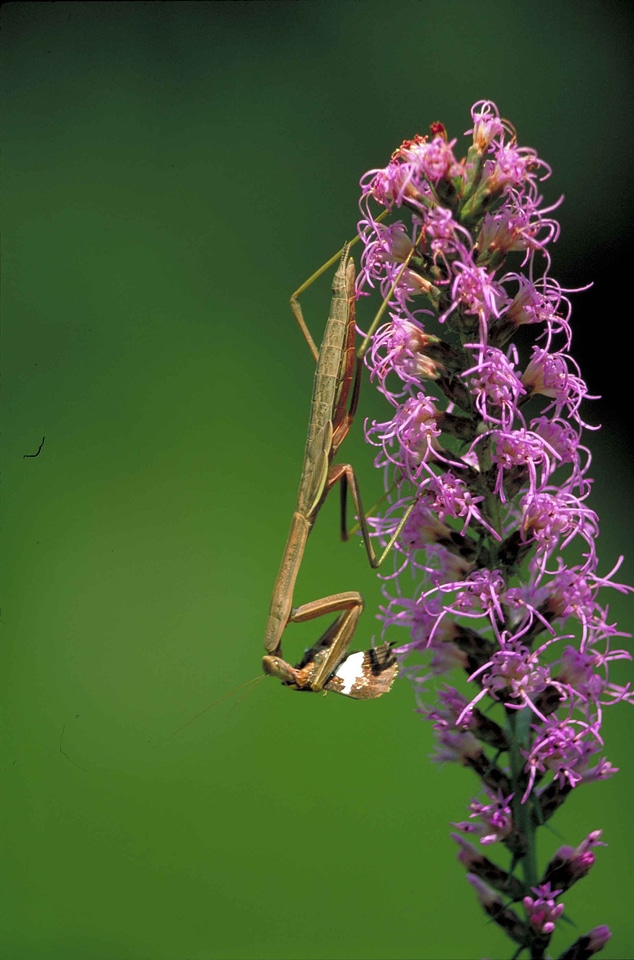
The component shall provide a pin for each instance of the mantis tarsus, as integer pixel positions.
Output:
(325, 666)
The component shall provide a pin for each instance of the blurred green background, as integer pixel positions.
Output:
(172, 171)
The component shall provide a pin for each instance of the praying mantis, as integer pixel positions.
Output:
(365, 674)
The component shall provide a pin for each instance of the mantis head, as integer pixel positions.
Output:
(276, 667)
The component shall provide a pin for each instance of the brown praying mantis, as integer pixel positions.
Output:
(325, 666)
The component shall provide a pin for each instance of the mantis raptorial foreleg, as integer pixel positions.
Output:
(369, 673)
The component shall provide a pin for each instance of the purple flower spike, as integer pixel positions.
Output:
(484, 448)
